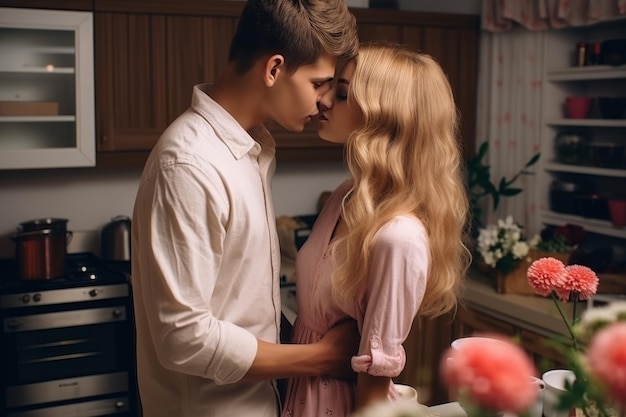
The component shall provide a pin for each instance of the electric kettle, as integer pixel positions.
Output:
(115, 239)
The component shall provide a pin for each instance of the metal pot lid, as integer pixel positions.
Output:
(37, 233)
(44, 223)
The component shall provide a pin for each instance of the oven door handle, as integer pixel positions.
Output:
(13, 325)
(64, 319)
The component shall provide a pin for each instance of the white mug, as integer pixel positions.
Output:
(554, 381)
(536, 410)
(406, 392)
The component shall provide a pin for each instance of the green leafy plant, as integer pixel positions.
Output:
(481, 186)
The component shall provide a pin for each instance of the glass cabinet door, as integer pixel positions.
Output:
(46, 89)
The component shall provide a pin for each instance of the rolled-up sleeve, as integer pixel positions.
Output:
(395, 289)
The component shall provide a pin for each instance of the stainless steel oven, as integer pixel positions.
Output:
(68, 344)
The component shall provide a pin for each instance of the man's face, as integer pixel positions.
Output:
(295, 97)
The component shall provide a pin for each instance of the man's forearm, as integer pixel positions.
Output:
(275, 361)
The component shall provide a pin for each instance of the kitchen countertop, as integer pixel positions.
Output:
(532, 312)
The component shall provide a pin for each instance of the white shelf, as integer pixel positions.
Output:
(578, 169)
(561, 78)
(602, 227)
(592, 72)
(58, 50)
(38, 70)
(36, 119)
(588, 122)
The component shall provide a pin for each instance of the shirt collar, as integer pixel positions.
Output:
(235, 137)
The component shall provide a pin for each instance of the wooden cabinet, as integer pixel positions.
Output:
(148, 58)
(451, 39)
(149, 54)
(426, 342)
(84, 5)
(470, 322)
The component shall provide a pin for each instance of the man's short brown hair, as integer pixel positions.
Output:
(300, 30)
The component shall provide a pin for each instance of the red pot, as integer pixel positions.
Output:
(41, 253)
(617, 209)
(578, 107)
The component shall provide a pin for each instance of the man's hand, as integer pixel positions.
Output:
(340, 344)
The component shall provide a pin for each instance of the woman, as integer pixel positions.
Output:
(388, 244)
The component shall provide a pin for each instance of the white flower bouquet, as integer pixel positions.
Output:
(503, 246)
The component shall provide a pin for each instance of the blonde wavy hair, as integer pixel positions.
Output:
(405, 159)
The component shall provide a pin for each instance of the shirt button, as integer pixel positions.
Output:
(375, 344)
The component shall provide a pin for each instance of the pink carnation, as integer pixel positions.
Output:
(494, 373)
(546, 274)
(607, 360)
(580, 280)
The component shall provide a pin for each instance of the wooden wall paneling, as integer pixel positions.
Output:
(457, 52)
(218, 33)
(103, 73)
(379, 31)
(467, 93)
(197, 51)
(186, 50)
(413, 37)
(168, 7)
(130, 73)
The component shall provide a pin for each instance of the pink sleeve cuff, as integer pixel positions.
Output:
(378, 362)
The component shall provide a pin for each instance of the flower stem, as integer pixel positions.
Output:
(569, 327)
(575, 299)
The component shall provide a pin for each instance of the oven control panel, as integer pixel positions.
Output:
(63, 296)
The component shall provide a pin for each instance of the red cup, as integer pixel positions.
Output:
(577, 107)
(617, 209)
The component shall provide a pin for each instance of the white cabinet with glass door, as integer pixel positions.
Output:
(46, 89)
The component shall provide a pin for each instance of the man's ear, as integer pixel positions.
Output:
(274, 67)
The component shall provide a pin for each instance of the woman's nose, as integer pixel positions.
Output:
(326, 101)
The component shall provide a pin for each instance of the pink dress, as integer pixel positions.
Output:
(396, 285)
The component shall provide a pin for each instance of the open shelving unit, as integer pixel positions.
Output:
(562, 79)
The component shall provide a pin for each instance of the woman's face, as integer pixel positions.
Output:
(339, 118)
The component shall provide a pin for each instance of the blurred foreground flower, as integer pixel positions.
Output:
(491, 375)
(607, 361)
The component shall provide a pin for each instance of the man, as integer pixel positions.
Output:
(205, 265)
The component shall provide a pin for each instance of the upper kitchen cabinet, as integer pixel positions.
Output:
(46, 89)
(149, 55)
(584, 169)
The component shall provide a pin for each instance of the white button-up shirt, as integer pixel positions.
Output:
(205, 266)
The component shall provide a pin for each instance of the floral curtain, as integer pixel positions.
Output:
(510, 88)
(503, 15)
(509, 116)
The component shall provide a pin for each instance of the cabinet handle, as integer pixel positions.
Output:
(104, 138)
